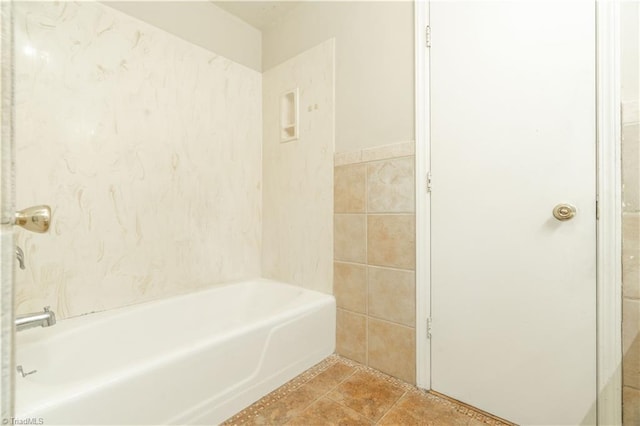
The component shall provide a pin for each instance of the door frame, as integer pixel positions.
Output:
(7, 209)
(609, 195)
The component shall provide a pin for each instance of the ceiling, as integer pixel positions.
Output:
(260, 14)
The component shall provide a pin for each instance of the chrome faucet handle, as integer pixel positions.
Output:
(20, 257)
(20, 370)
(34, 219)
(46, 308)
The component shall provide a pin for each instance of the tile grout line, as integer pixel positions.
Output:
(377, 318)
(356, 367)
(393, 268)
(373, 317)
(372, 422)
(375, 160)
(366, 258)
(461, 408)
(326, 394)
(382, 213)
(256, 409)
(392, 406)
(376, 374)
(355, 370)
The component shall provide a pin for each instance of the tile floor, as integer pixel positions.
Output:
(338, 391)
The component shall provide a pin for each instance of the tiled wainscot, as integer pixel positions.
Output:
(374, 257)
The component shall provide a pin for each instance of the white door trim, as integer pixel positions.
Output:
(609, 244)
(609, 293)
(423, 216)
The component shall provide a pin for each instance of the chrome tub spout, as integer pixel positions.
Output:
(45, 318)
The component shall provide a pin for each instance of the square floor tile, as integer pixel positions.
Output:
(367, 394)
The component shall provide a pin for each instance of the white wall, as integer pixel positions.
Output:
(148, 150)
(298, 175)
(374, 65)
(201, 23)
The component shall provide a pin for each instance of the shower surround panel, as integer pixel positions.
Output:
(298, 175)
(148, 150)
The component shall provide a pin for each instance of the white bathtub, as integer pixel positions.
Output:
(192, 359)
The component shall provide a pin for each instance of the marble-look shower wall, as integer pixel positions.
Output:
(298, 175)
(374, 253)
(148, 150)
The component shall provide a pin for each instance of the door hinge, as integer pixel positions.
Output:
(428, 328)
(428, 35)
(429, 182)
(597, 208)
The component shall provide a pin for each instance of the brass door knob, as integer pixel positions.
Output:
(34, 219)
(564, 212)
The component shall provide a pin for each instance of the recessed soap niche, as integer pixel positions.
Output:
(289, 116)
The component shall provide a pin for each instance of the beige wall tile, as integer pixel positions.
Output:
(630, 406)
(350, 286)
(351, 335)
(391, 241)
(631, 167)
(392, 349)
(392, 295)
(386, 177)
(391, 186)
(631, 255)
(631, 343)
(631, 364)
(631, 222)
(350, 237)
(349, 188)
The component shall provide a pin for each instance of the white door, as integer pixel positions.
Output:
(513, 135)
